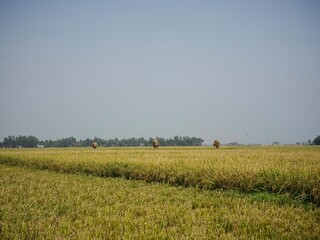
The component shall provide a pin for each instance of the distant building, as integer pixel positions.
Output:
(233, 144)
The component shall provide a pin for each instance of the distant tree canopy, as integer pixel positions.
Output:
(31, 141)
(316, 141)
(20, 141)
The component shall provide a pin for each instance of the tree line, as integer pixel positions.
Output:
(32, 142)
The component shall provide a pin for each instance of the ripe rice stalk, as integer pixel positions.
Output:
(293, 171)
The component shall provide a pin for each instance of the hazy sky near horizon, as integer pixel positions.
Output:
(246, 71)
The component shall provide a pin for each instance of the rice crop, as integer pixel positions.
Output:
(285, 170)
(42, 204)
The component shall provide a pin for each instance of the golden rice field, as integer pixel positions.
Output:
(168, 193)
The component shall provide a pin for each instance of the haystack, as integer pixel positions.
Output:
(216, 144)
(155, 143)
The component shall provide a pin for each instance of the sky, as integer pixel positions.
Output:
(245, 71)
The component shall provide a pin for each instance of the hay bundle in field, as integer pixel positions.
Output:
(155, 143)
(216, 144)
(94, 145)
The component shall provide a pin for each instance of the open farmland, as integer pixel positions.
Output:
(268, 192)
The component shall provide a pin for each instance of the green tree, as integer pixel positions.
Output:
(67, 142)
(99, 141)
(22, 141)
(316, 141)
(32, 142)
(9, 142)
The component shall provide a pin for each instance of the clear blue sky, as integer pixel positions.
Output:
(246, 71)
